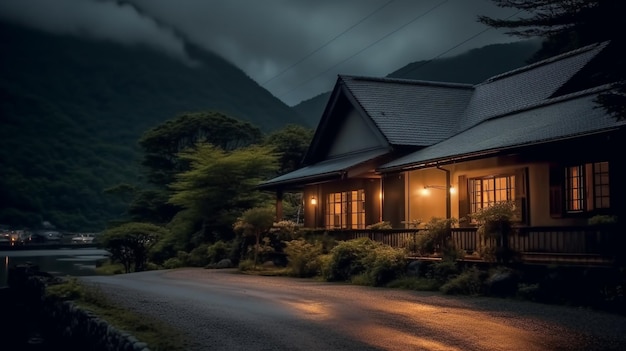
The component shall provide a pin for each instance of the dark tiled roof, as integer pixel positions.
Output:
(327, 168)
(410, 112)
(555, 119)
(526, 86)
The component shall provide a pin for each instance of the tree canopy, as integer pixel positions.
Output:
(130, 243)
(221, 184)
(162, 143)
(290, 143)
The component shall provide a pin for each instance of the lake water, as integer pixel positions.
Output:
(59, 262)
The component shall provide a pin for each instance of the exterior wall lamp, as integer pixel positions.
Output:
(313, 201)
(440, 187)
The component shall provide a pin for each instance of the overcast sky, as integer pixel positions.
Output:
(293, 48)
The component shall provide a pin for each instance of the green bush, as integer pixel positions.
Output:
(380, 225)
(383, 264)
(247, 265)
(469, 282)
(303, 257)
(495, 226)
(442, 271)
(377, 263)
(347, 259)
(435, 237)
(198, 257)
(218, 251)
(172, 263)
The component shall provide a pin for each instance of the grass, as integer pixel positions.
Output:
(158, 336)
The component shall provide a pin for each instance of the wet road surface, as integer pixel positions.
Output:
(224, 310)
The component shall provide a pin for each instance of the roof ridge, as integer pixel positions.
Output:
(599, 46)
(407, 81)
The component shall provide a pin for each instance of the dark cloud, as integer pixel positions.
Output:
(291, 47)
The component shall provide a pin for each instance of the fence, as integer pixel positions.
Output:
(570, 242)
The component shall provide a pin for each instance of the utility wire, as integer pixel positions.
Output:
(327, 43)
(360, 51)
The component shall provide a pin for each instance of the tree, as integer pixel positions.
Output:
(570, 24)
(162, 144)
(291, 143)
(221, 184)
(130, 243)
(256, 222)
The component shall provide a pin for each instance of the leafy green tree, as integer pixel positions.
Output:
(291, 143)
(256, 222)
(162, 144)
(221, 184)
(570, 24)
(130, 243)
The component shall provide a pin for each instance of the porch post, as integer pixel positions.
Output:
(279, 205)
(448, 197)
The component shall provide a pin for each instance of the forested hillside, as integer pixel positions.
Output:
(72, 111)
(472, 67)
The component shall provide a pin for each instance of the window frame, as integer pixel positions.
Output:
(591, 191)
(346, 209)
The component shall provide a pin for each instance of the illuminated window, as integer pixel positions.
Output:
(587, 187)
(484, 192)
(575, 189)
(345, 210)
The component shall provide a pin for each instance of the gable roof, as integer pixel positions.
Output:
(555, 119)
(409, 112)
(402, 112)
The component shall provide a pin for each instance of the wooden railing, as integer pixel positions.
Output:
(573, 242)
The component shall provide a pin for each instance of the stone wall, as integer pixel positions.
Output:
(63, 321)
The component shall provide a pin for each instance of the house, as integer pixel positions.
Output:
(404, 150)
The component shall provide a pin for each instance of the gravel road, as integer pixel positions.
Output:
(223, 310)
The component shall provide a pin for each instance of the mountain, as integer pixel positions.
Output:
(72, 110)
(473, 66)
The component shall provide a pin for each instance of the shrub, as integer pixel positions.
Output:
(218, 251)
(495, 226)
(435, 236)
(172, 263)
(347, 259)
(602, 220)
(469, 282)
(383, 264)
(376, 262)
(247, 265)
(198, 257)
(443, 271)
(380, 225)
(285, 230)
(303, 257)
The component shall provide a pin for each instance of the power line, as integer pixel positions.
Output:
(365, 48)
(327, 43)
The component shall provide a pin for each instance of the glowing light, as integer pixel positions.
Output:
(313, 201)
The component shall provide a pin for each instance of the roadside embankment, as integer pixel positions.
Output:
(45, 322)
